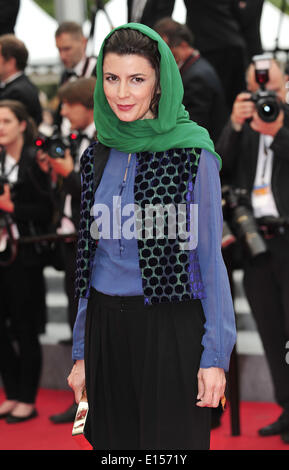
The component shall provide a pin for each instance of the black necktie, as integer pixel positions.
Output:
(82, 136)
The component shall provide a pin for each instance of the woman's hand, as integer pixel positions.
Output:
(76, 379)
(6, 204)
(211, 386)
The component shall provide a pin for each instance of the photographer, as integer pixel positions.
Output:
(255, 150)
(77, 106)
(204, 98)
(26, 207)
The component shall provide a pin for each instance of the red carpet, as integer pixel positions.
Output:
(41, 434)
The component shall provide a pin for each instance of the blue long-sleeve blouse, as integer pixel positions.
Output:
(116, 256)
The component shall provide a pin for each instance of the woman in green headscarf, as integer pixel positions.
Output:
(156, 310)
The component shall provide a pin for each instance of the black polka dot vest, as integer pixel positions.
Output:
(164, 191)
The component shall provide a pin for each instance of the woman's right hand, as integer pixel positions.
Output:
(76, 379)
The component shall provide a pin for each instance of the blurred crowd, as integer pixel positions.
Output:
(232, 88)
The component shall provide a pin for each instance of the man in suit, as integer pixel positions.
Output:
(217, 35)
(204, 97)
(219, 39)
(249, 14)
(71, 44)
(14, 84)
(255, 157)
(9, 12)
(77, 104)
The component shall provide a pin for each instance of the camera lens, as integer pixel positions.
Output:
(57, 150)
(268, 109)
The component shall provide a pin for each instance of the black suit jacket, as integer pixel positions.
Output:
(204, 97)
(23, 90)
(213, 22)
(249, 19)
(9, 11)
(153, 11)
(239, 152)
(72, 186)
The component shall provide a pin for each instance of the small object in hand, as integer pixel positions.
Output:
(223, 402)
(79, 423)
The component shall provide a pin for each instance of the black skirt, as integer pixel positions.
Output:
(141, 365)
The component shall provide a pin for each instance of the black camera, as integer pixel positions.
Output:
(56, 144)
(240, 221)
(267, 103)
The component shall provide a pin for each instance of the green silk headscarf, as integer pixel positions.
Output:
(170, 130)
